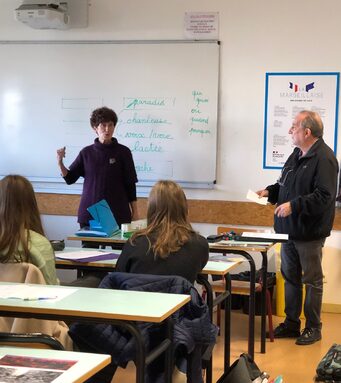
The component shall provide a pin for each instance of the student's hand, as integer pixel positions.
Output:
(61, 154)
(263, 193)
(283, 210)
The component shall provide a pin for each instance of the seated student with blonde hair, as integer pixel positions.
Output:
(23, 242)
(169, 245)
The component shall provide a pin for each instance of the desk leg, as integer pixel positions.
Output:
(169, 352)
(252, 312)
(140, 353)
(263, 300)
(251, 342)
(209, 298)
(227, 345)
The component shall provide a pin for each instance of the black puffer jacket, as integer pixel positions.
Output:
(309, 183)
(192, 326)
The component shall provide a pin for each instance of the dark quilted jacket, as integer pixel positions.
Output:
(193, 329)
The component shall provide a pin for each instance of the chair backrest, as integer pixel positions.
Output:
(30, 332)
(21, 272)
(31, 340)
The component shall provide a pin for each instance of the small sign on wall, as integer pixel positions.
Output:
(286, 94)
(201, 25)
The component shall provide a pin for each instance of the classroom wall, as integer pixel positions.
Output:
(256, 37)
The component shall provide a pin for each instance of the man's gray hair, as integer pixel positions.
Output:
(312, 121)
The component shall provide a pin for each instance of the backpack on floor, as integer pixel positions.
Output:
(243, 370)
(329, 368)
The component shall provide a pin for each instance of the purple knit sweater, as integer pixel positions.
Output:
(109, 173)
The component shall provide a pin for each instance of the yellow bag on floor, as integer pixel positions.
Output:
(280, 295)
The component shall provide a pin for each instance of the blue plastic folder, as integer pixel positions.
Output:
(103, 224)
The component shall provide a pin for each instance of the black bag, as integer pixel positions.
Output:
(243, 370)
(329, 368)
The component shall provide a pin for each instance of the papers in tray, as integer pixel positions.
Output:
(226, 258)
(274, 237)
(87, 256)
(235, 243)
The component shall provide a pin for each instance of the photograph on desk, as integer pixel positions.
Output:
(25, 369)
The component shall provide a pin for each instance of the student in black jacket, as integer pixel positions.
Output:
(169, 245)
(305, 198)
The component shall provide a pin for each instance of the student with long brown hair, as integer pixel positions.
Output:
(168, 245)
(22, 238)
(23, 244)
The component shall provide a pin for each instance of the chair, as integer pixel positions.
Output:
(24, 328)
(31, 340)
(242, 287)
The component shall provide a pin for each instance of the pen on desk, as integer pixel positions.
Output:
(39, 298)
(33, 298)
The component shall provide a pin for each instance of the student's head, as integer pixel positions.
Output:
(167, 202)
(103, 121)
(18, 213)
(168, 227)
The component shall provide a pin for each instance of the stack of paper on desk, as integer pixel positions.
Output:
(26, 292)
(86, 255)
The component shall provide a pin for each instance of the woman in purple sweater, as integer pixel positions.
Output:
(108, 171)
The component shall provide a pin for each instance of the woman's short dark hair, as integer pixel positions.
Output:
(101, 115)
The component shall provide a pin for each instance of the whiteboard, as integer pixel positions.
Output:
(165, 95)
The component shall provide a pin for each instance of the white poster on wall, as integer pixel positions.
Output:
(201, 25)
(286, 94)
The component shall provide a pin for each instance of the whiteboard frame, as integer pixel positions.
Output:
(144, 186)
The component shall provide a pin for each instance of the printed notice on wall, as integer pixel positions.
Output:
(201, 25)
(286, 94)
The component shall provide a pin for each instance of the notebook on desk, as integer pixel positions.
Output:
(103, 224)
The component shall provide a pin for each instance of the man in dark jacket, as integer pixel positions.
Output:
(305, 197)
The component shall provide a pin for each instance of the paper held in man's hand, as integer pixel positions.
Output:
(254, 197)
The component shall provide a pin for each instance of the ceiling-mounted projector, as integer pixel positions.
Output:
(43, 16)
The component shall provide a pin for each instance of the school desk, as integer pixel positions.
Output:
(211, 268)
(91, 305)
(86, 364)
(102, 265)
(222, 269)
(244, 249)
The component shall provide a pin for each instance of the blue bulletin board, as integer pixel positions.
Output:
(286, 94)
